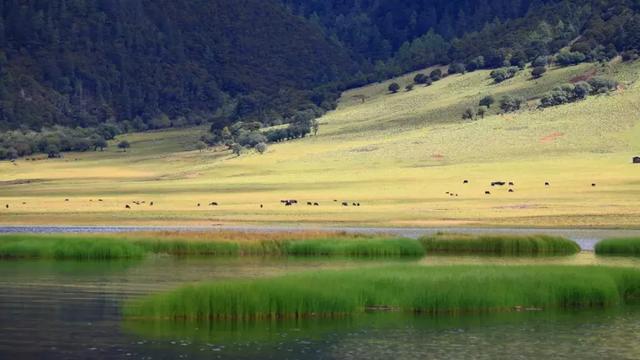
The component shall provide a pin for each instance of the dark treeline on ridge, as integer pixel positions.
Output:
(140, 64)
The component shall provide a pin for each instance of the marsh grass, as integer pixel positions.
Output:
(499, 244)
(408, 288)
(618, 246)
(132, 245)
(67, 247)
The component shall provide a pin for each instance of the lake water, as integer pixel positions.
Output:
(71, 310)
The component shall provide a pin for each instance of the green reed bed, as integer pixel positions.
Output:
(499, 244)
(115, 246)
(67, 247)
(406, 288)
(619, 246)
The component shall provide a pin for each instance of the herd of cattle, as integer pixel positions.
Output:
(293, 202)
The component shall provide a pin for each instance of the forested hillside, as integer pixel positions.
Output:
(113, 66)
(85, 62)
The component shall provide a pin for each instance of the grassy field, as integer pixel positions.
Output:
(397, 155)
(408, 288)
(499, 244)
(136, 245)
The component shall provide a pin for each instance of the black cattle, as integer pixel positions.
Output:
(465, 182)
(151, 203)
(66, 199)
(547, 184)
(100, 200)
(7, 206)
(288, 204)
(309, 204)
(213, 203)
(498, 183)
(487, 192)
(198, 204)
(316, 204)
(345, 204)
(511, 183)
(357, 204)
(261, 206)
(127, 207)
(511, 190)
(593, 185)
(294, 201)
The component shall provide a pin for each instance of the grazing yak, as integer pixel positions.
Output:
(498, 183)
(127, 207)
(487, 192)
(465, 182)
(511, 190)
(547, 184)
(316, 204)
(345, 204)
(213, 203)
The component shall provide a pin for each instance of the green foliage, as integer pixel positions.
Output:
(570, 93)
(67, 247)
(261, 147)
(362, 247)
(468, 114)
(619, 246)
(500, 75)
(510, 103)
(538, 71)
(567, 58)
(394, 87)
(457, 68)
(408, 288)
(487, 101)
(499, 244)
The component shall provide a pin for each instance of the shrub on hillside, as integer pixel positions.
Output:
(538, 71)
(502, 74)
(394, 88)
(511, 103)
(567, 58)
(487, 101)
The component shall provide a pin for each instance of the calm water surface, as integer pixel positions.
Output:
(71, 310)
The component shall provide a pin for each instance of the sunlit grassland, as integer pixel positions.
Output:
(498, 244)
(397, 155)
(412, 289)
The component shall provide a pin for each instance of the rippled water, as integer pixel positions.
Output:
(70, 310)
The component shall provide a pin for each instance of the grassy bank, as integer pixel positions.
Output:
(134, 245)
(499, 244)
(619, 246)
(414, 289)
(68, 247)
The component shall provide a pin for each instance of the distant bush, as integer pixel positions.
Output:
(468, 114)
(436, 75)
(502, 74)
(567, 58)
(511, 103)
(124, 145)
(569, 93)
(394, 88)
(457, 68)
(409, 87)
(487, 101)
(540, 61)
(420, 79)
(538, 71)
(261, 147)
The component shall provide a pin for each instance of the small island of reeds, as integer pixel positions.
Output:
(405, 288)
(619, 246)
(502, 244)
(136, 245)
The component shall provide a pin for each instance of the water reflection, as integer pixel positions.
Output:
(71, 310)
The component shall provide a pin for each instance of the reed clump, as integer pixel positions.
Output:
(133, 245)
(405, 288)
(502, 244)
(619, 246)
(68, 247)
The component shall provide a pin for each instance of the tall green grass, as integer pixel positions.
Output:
(618, 246)
(67, 247)
(408, 288)
(115, 246)
(499, 244)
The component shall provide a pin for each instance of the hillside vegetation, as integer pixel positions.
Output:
(403, 157)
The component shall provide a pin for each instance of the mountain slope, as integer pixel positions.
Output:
(396, 154)
(81, 63)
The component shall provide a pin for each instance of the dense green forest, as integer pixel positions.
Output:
(130, 65)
